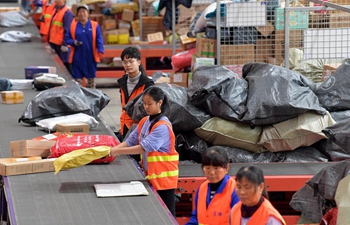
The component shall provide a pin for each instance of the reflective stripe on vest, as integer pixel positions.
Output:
(163, 171)
(218, 210)
(124, 117)
(260, 216)
(56, 27)
(73, 28)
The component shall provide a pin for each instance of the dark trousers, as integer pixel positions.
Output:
(168, 197)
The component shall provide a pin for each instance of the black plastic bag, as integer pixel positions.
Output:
(334, 93)
(314, 200)
(302, 154)
(340, 115)
(277, 94)
(65, 100)
(237, 155)
(332, 150)
(190, 146)
(5, 84)
(339, 133)
(183, 115)
(219, 91)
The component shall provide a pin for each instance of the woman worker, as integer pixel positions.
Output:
(87, 50)
(253, 208)
(155, 140)
(216, 196)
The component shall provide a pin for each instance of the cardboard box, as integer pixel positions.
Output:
(274, 61)
(264, 49)
(295, 41)
(205, 47)
(24, 148)
(339, 20)
(73, 127)
(151, 25)
(155, 37)
(124, 25)
(9, 160)
(237, 54)
(329, 70)
(265, 30)
(187, 43)
(297, 19)
(31, 70)
(12, 97)
(17, 168)
(110, 24)
(128, 15)
(200, 61)
(180, 79)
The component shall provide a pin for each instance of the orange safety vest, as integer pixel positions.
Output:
(48, 11)
(260, 217)
(124, 117)
(73, 27)
(163, 171)
(56, 27)
(218, 210)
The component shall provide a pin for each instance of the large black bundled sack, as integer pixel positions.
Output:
(317, 195)
(334, 93)
(332, 150)
(237, 155)
(219, 91)
(301, 155)
(183, 115)
(65, 100)
(339, 133)
(340, 115)
(277, 94)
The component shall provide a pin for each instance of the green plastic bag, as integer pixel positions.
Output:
(80, 157)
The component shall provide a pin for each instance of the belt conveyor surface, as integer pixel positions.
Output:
(269, 169)
(68, 197)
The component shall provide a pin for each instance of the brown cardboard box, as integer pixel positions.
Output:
(263, 49)
(151, 25)
(237, 54)
(10, 160)
(155, 37)
(339, 20)
(205, 47)
(274, 61)
(110, 24)
(328, 70)
(201, 61)
(128, 15)
(295, 41)
(318, 20)
(17, 168)
(187, 43)
(266, 30)
(73, 128)
(12, 97)
(180, 79)
(24, 148)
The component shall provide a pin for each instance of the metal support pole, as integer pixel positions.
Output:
(140, 20)
(173, 27)
(286, 37)
(218, 33)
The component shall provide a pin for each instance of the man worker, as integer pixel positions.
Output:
(59, 26)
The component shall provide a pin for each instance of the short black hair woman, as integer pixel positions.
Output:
(254, 207)
(216, 196)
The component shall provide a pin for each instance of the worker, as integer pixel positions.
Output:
(254, 206)
(85, 39)
(132, 84)
(48, 10)
(36, 12)
(59, 26)
(155, 140)
(217, 195)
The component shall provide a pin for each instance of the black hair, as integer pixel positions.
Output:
(157, 94)
(132, 53)
(215, 157)
(254, 175)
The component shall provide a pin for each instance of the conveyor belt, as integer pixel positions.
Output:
(275, 169)
(68, 197)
